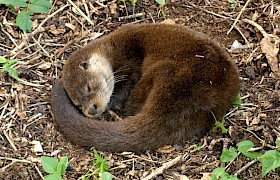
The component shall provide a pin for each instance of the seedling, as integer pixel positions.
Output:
(124, 2)
(232, 3)
(161, 6)
(237, 101)
(27, 9)
(219, 124)
(8, 66)
(270, 160)
(99, 169)
(55, 168)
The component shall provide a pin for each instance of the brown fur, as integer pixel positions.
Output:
(174, 78)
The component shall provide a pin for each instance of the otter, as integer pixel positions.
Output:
(165, 80)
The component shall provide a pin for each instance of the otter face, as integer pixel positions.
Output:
(90, 84)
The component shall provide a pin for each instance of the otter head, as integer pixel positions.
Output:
(89, 82)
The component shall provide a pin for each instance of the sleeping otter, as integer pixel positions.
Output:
(166, 80)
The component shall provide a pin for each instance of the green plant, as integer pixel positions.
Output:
(219, 124)
(27, 8)
(270, 160)
(99, 169)
(55, 168)
(221, 173)
(237, 101)
(161, 6)
(124, 2)
(232, 3)
(8, 66)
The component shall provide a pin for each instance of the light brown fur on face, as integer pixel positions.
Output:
(172, 80)
(94, 91)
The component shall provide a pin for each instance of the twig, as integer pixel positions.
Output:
(10, 140)
(246, 166)
(132, 16)
(37, 30)
(239, 15)
(15, 160)
(165, 166)
(207, 11)
(39, 172)
(77, 39)
(264, 33)
(29, 83)
(81, 12)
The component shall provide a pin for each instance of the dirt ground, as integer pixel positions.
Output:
(25, 109)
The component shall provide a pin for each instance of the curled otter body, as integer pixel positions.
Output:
(172, 80)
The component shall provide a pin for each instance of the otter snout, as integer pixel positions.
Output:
(93, 110)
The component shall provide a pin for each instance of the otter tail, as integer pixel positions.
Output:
(130, 134)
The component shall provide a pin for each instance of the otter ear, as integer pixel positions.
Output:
(84, 65)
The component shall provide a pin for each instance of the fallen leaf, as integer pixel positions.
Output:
(271, 49)
(166, 149)
(37, 146)
(45, 66)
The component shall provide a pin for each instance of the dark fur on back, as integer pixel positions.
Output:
(175, 78)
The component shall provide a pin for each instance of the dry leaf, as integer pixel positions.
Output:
(168, 21)
(206, 176)
(255, 121)
(71, 26)
(271, 49)
(45, 66)
(166, 149)
(37, 146)
(181, 177)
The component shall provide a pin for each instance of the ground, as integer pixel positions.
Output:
(25, 114)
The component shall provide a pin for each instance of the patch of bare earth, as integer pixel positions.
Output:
(25, 114)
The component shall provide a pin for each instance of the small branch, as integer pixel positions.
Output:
(16, 160)
(246, 166)
(264, 33)
(132, 16)
(10, 140)
(81, 12)
(239, 15)
(165, 166)
(37, 30)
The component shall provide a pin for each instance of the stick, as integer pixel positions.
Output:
(239, 15)
(165, 166)
(81, 12)
(37, 30)
(131, 16)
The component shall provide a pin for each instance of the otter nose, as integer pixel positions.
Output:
(93, 110)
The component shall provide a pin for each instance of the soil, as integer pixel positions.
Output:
(25, 114)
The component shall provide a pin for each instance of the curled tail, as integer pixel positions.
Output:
(130, 134)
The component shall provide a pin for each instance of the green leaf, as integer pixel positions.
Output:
(123, 1)
(226, 176)
(62, 165)
(3, 60)
(13, 73)
(20, 3)
(277, 140)
(270, 161)
(218, 172)
(133, 1)
(237, 101)
(106, 176)
(244, 148)
(40, 6)
(24, 22)
(99, 161)
(219, 124)
(53, 176)
(228, 155)
(161, 2)
(49, 164)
